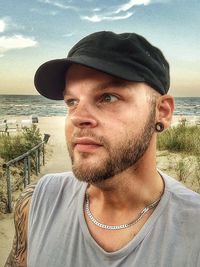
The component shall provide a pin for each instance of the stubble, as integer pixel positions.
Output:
(123, 155)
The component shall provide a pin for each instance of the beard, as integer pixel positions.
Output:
(121, 156)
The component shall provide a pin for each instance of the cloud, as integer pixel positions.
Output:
(98, 14)
(99, 18)
(69, 34)
(2, 25)
(97, 9)
(132, 3)
(115, 13)
(16, 42)
(44, 12)
(58, 4)
(7, 24)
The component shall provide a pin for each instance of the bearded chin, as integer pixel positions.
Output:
(117, 159)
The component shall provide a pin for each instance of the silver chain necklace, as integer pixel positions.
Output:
(122, 226)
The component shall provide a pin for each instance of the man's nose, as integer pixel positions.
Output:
(83, 116)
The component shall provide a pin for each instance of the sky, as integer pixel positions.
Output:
(35, 31)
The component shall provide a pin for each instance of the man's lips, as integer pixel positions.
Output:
(85, 144)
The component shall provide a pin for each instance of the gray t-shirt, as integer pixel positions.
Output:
(58, 235)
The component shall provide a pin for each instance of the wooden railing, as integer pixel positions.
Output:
(26, 158)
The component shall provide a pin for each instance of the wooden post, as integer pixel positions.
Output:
(43, 154)
(39, 159)
(38, 149)
(25, 172)
(36, 162)
(29, 169)
(9, 189)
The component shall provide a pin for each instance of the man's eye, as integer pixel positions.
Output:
(108, 98)
(71, 102)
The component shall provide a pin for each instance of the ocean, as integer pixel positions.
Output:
(26, 105)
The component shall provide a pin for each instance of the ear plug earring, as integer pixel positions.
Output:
(159, 127)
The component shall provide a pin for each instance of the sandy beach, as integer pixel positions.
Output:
(57, 160)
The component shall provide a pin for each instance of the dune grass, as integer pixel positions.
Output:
(182, 143)
(180, 139)
(12, 146)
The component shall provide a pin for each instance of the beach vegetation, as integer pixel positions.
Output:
(197, 172)
(12, 146)
(182, 168)
(180, 139)
(182, 144)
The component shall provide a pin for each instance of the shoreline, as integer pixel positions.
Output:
(175, 116)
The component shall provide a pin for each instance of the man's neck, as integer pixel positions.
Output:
(121, 199)
(129, 190)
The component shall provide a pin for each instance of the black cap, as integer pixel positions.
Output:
(128, 56)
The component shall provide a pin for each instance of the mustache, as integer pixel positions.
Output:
(87, 133)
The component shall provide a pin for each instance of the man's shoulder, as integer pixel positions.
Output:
(53, 193)
(57, 180)
(57, 176)
(56, 186)
(180, 194)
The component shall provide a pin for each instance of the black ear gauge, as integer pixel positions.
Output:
(159, 127)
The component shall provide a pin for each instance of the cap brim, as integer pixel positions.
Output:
(50, 77)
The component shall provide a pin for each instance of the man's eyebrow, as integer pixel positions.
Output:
(113, 83)
(117, 83)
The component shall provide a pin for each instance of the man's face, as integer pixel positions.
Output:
(109, 125)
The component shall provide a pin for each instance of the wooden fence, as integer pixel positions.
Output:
(26, 158)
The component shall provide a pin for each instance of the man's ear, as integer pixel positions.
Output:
(165, 108)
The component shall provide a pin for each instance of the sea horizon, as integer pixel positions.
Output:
(26, 105)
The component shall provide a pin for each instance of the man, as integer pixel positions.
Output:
(116, 208)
